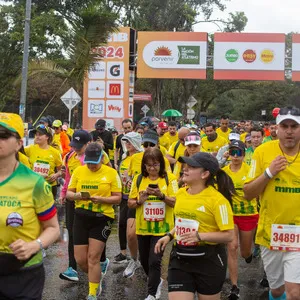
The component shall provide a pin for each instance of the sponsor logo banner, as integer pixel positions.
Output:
(97, 71)
(96, 108)
(96, 89)
(115, 70)
(296, 57)
(115, 89)
(114, 109)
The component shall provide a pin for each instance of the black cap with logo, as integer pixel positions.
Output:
(80, 138)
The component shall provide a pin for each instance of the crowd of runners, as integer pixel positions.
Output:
(214, 192)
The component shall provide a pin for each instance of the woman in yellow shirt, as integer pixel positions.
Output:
(95, 188)
(245, 214)
(43, 158)
(153, 195)
(203, 224)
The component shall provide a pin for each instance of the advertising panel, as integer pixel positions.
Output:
(296, 57)
(249, 56)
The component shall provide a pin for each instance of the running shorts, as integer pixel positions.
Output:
(246, 223)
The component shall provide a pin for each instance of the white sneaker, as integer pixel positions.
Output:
(130, 270)
(150, 297)
(158, 292)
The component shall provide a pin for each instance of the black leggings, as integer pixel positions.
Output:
(70, 211)
(150, 261)
(123, 224)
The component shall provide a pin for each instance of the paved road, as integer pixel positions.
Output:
(118, 288)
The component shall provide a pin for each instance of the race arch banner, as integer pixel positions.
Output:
(172, 55)
(249, 56)
(296, 57)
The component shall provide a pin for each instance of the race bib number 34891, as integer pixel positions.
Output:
(285, 237)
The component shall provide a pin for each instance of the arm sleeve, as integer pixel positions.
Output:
(223, 215)
(173, 185)
(116, 185)
(58, 159)
(74, 180)
(43, 200)
(256, 167)
(134, 191)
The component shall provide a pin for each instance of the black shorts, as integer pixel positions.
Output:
(204, 275)
(90, 225)
(131, 213)
(23, 285)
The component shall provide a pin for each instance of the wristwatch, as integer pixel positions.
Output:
(40, 243)
(162, 197)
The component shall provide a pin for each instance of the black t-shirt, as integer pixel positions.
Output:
(106, 137)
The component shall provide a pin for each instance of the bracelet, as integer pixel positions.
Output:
(198, 236)
(268, 173)
(40, 243)
(169, 234)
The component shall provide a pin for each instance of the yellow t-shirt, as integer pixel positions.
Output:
(281, 197)
(243, 137)
(179, 152)
(70, 131)
(210, 208)
(214, 146)
(223, 134)
(25, 200)
(56, 141)
(172, 138)
(135, 166)
(241, 206)
(101, 183)
(24, 160)
(145, 226)
(164, 141)
(43, 161)
(123, 171)
(111, 152)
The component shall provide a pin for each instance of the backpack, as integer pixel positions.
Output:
(176, 147)
(140, 177)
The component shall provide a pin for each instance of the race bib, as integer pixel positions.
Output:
(154, 211)
(285, 237)
(183, 226)
(41, 168)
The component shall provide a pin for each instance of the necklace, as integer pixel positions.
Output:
(290, 163)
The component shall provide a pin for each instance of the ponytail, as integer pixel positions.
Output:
(224, 183)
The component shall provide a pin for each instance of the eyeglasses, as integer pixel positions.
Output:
(294, 111)
(152, 166)
(148, 144)
(55, 128)
(236, 152)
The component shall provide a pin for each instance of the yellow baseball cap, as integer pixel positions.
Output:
(12, 122)
(57, 123)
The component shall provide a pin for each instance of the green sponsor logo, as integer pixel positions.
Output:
(289, 190)
(189, 55)
(232, 55)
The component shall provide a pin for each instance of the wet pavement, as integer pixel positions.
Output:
(118, 288)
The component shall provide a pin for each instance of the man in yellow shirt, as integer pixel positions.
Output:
(162, 130)
(274, 176)
(224, 129)
(172, 133)
(212, 142)
(248, 126)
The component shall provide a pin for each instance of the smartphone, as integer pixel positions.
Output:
(153, 186)
(85, 195)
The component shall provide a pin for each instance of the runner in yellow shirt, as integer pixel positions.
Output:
(224, 129)
(95, 188)
(212, 142)
(245, 214)
(43, 158)
(172, 133)
(162, 129)
(153, 195)
(203, 224)
(274, 176)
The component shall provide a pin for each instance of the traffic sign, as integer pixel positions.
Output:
(70, 99)
(190, 114)
(191, 102)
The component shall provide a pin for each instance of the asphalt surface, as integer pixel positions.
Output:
(118, 288)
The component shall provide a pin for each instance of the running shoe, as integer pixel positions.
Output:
(234, 293)
(150, 297)
(104, 266)
(256, 251)
(264, 282)
(158, 292)
(91, 297)
(99, 291)
(70, 274)
(130, 270)
(120, 259)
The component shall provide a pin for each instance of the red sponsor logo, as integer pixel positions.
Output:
(115, 89)
(114, 108)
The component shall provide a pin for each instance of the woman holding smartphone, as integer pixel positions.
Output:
(153, 195)
(95, 188)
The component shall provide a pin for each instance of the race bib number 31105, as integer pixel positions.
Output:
(154, 211)
(285, 237)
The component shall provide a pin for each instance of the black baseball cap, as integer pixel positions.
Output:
(100, 124)
(80, 138)
(201, 160)
(42, 129)
(237, 144)
(93, 154)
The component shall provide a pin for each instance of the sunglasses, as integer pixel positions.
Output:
(148, 144)
(294, 111)
(236, 152)
(55, 128)
(42, 126)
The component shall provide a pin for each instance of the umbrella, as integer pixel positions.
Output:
(172, 113)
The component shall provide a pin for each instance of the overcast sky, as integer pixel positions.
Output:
(278, 16)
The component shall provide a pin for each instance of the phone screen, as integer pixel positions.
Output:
(85, 195)
(153, 186)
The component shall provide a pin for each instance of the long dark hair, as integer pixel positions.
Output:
(153, 154)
